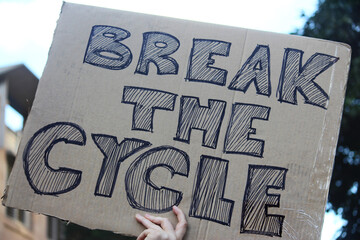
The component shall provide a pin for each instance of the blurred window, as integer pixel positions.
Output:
(55, 229)
(20, 215)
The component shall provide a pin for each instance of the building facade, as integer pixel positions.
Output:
(17, 89)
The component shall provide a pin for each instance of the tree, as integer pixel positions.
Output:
(76, 232)
(339, 20)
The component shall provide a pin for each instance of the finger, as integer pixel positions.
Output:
(180, 228)
(163, 222)
(143, 235)
(146, 222)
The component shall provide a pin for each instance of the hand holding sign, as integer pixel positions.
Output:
(159, 228)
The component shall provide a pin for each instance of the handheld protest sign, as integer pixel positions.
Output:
(138, 113)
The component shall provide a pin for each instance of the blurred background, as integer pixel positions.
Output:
(27, 28)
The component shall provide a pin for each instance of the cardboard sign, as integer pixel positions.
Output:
(136, 113)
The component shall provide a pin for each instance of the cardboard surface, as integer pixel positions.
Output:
(136, 113)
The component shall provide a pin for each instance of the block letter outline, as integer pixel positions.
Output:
(156, 48)
(142, 193)
(256, 69)
(194, 116)
(36, 154)
(146, 101)
(114, 154)
(294, 75)
(255, 219)
(208, 201)
(242, 115)
(200, 61)
(105, 50)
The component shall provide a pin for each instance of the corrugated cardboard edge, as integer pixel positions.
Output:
(4, 196)
(323, 166)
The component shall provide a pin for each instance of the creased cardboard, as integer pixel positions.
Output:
(136, 113)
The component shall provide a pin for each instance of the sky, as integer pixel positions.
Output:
(28, 25)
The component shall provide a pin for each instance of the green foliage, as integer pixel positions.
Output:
(339, 20)
(76, 232)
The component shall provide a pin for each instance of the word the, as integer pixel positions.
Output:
(204, 118)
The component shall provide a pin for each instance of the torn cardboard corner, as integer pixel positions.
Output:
(137, 113)
(4, 196)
